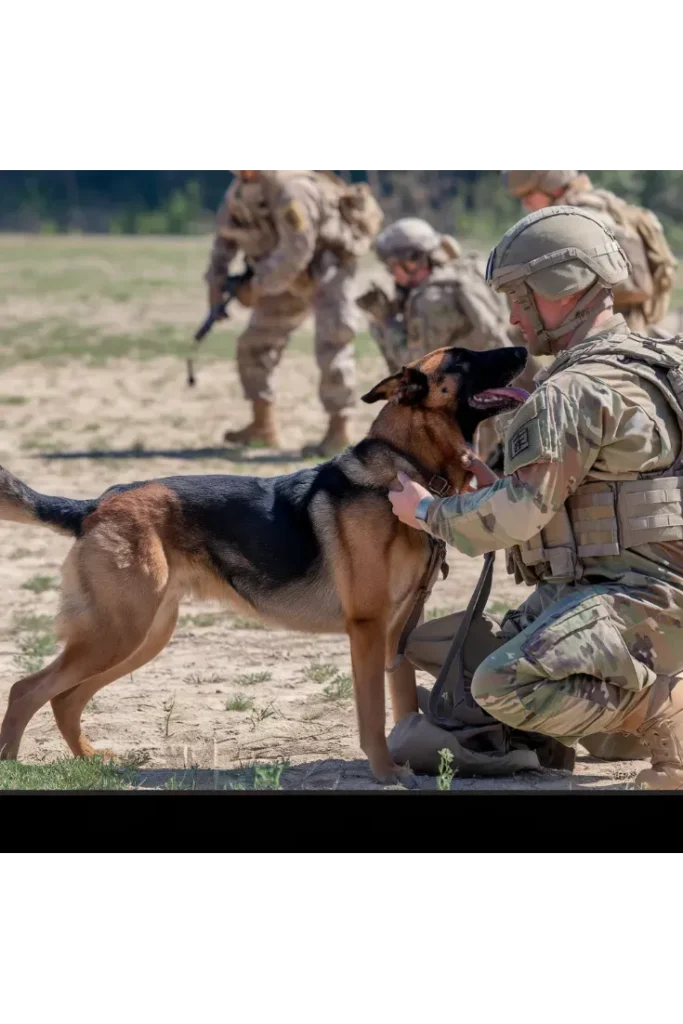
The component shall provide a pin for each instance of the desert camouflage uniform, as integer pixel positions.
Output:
(576, 657)
(445, 309)
(578, 191)
(291, 233)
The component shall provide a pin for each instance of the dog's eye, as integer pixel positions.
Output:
(445, 390)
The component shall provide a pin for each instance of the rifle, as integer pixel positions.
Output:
(218, 312)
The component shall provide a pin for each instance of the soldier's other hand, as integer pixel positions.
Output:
(405, 495)
(375, 302)
(215, 299)
(482, 475)
(247, 294)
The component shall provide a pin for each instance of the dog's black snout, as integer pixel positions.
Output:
(513, 362)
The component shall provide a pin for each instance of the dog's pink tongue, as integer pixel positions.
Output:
(516, 394)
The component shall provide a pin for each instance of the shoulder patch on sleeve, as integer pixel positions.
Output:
(529, 436)
(519, 442)
(294, 216)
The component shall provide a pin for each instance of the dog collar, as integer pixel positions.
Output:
(439, 486)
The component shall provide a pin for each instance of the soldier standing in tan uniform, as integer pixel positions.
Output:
(590, 509)
(643, 298)
(441, 299)
(301, 232)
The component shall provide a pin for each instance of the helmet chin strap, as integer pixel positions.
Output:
(579, 320)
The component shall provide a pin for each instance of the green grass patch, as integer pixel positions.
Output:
(340, 688)
(240, 623)
(39, 584)
(239, 703)
(252, 678)
(68, 774)
(321, 673)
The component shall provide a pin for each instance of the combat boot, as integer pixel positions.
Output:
(335, 440)
(659, 724)
(262, 430)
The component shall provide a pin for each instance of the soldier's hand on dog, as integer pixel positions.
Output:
(405, 494)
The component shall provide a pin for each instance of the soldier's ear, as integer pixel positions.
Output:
(409, 386)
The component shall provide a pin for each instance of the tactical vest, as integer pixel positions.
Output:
(603, 519)
(476, 312)
(349, 214)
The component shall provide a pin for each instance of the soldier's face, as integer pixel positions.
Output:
(552, 312)
(536, 201)
(408, 273)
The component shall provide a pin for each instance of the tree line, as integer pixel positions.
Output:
(467, 203)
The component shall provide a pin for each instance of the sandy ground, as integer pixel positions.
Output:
(82, 417)
(79, 430)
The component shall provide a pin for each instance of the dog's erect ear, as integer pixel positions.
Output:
(407, 387)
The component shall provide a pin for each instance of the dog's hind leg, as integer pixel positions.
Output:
(110, 602)
(68, 707)
(78, 662)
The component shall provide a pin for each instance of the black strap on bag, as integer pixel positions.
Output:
(475, 609)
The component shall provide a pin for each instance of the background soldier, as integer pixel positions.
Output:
(441, 298)
(643, 298)
(301, 232)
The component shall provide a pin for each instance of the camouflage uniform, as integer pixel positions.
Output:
(590, 511)
(303, 253)
(640, 299)
(452, 306)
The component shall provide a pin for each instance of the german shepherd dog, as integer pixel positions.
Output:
(319, 550)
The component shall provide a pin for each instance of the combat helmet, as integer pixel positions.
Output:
(521, 183)
(556, 252)
(411, 238)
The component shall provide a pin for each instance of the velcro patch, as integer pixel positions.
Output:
(529, 435)
(519, 442)
(294, 216)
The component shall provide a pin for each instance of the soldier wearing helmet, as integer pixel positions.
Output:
(643, 296)
(590, 510)
(301, 232)
(441, 298)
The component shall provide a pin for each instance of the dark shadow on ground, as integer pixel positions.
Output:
(236, 455)
(348, 776)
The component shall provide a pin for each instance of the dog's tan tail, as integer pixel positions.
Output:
(20, 504)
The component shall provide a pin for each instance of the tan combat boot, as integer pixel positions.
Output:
(335, 440)
(659, 724)
(262, 430)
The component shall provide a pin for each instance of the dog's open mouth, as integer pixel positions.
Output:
(499, 399)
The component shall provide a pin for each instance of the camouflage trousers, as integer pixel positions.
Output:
(569, 663)
(275, 317)
(574, 661)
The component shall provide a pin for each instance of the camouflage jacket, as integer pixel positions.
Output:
(587, 423)
(641, 236)
(281, 221)
(453, 306)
